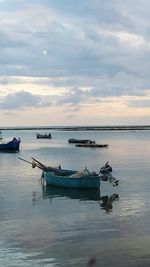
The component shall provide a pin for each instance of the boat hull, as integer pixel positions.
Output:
(85, 182)
(77, 141)
(12, 146)
(91, 145)
(43, 136)
(92, 182)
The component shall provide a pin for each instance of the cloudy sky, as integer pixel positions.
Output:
(67, 62)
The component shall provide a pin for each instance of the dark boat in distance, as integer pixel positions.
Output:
(92, 145)
(1, 137)
(78, 141)
(85, 143)
(43, 136)
(10, 146)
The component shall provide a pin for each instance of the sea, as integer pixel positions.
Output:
(57, 227)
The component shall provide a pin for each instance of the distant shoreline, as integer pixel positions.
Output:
(82, 128)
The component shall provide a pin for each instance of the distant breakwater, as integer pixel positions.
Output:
(82, 128)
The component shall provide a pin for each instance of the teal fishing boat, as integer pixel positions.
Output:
(77, 179)
(57, 176)
(72, 179)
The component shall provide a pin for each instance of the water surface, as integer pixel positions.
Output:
(60, 227)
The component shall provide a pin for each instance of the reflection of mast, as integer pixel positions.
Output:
(107, 201)
(36, 196)
(44, 192)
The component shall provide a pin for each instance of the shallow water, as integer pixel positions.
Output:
(60, 227)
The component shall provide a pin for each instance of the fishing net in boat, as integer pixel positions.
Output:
(84, 172)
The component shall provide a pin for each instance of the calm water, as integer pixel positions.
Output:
(67, 228)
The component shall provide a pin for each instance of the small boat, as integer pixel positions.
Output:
(77, 141)
(84, 179)
(57, 176)
(43, 136)
(92, 144)
(72, 179)
(10, 146)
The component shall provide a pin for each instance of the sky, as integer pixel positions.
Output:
(66, 62)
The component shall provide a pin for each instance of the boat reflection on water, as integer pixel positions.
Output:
(71, 193)
(51, 192)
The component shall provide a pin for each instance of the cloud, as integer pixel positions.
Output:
(88, 51)
(139, 103)
(23, 100)
(72, 97)
(82, 43)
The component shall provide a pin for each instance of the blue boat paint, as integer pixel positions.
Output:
(11, 146)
